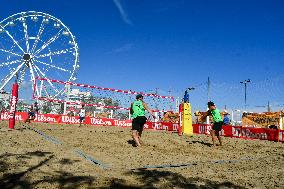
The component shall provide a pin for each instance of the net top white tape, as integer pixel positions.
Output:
(106, 89)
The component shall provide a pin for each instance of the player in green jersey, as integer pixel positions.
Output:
(137, 111)
(217, 119)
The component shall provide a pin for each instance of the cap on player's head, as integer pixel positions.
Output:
(210, 103)
(139, 96)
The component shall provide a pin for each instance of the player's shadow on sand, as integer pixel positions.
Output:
(168, 179)
(200, 142)
(13, 178)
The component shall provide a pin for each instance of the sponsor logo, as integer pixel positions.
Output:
(157, 126)
(5, 116)
(236, 132)
(161, 126)
(175, 126)
(122, 123)
(95, 121)
(67, 119)
(204, 129)
(44, 118)
(248, 134)
(13, 106)
(165, 127)
(18, 117)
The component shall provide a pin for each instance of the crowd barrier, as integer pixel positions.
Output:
(228, 131)
(243, 132)
(65, 119)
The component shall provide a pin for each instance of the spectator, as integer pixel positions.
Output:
(226, 119)
(36, 108)
(31, 114)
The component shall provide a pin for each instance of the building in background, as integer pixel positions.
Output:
(4, 100)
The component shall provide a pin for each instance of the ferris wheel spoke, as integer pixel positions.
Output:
(56, 53)
(51, 40)
(52, 66)
(9, 63)
(42, 26)
(13, 39)
(22, 74)
(41, 83)
(9, 77)
(26, 36)
(33, 76)
(43, 75)
(3, 50)
(44, 88)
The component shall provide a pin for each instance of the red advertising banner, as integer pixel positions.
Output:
(228, 131)
(54, 118)
(168, 126)
(243, 132)
(260, 133)
(202, 128)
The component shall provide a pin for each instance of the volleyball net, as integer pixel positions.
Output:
(98, 99)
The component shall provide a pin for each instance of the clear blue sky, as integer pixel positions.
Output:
(175, 44)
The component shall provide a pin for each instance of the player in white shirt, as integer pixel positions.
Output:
(82, 114)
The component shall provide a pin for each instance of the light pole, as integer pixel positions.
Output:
(245, 83)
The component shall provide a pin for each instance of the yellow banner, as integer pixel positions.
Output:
(187, 119)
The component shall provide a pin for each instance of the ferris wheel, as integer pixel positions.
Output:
(35, 44)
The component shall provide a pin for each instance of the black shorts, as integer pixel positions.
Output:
(138, 123)
(217, 126)
(82, 118)
(31, 114)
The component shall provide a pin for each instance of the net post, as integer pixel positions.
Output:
(13, 105)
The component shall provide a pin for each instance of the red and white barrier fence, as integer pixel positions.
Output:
(227, 131)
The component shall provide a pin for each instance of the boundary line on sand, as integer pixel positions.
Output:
(91, 159)
(53, 140)
(191, 164)
(78, 152)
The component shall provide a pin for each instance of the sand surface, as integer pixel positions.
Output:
(42, 155)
